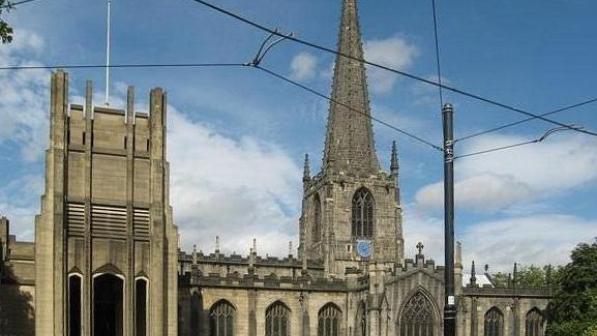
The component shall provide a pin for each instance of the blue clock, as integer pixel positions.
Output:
(364, 248)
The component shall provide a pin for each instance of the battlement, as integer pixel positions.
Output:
(272, 281)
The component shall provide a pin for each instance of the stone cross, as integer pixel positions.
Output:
(420, 247)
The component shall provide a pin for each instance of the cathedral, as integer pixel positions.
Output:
(106, 259)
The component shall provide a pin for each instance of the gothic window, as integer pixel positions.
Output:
(494, 322)
(417, 317)
(362, 214)
(534, 323)
(316, 218)
(221, 319)
(277, 320)
(329, 320)
(361, 323)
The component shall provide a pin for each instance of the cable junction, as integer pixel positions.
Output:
(402, 73)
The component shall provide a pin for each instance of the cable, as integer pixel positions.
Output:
(100, 66)
(317, 93)
(402, 73)
(437, 57)
(12, 4)
(497, 149)
(566, 108)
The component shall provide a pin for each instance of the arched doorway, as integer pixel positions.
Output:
(107, 305)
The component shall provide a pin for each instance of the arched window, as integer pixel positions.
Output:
(277, 320)
(362, 214)
(221, 319)
(417, 317)
(494, 322)
(316, 218)
(361, 323)
(329, 320)
(534, 323)
(141, 306)
(74, 304)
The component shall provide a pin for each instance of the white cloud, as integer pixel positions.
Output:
(538, 239)
(23, 107)
(529, 240)
(303, 67)
(237, 189)
(393, 52)
(525, 174)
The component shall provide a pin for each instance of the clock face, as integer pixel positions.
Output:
(364, 248)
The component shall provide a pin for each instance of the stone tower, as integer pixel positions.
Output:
(106, 247)
(351, 204)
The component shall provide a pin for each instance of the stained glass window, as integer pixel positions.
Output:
(329, 320)
(277, 320)
(362, 214)
(494, 322)
(534, 323)
(221, 319)
(417, 317)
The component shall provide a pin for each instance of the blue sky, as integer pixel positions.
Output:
(237, 136)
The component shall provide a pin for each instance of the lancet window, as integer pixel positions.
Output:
(362, 214)
(534, 323)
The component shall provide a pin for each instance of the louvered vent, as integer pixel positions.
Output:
(108, 221)
(75, 217)
(141, 223)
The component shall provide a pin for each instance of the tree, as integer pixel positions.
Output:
(5, 28)
(573, 310)
(529, 277)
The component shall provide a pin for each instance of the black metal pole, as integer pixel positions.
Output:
(450, 301)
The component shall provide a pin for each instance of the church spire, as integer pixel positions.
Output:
(349, 145)
(306, 169)
(394, 160)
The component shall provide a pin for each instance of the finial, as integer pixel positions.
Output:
(394, 160)
(194, 254)
(509, 284)
(306, 169)
(217, 244)
(251, 258)
(290, 248)
(254, 245)
(420, 247)
(486, 268)
(473, 275)
(515, 274)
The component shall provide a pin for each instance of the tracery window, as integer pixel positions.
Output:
(277, 320)
(362, 214)
(534, 323)
(494, 322)
(221, 319)
(316, 218)
(329, 320)
(417, 317)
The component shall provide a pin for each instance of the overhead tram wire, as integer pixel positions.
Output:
(402, 73)
(102, 66)
(499, 128)
(13, 4)
(319, 94)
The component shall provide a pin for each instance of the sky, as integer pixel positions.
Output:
(237, 136)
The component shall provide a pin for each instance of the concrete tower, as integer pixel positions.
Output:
(351, 204)
(106, 247)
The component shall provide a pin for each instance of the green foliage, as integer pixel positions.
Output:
(530, 277)
(5, 28)
(591, 331)
(573, 311)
